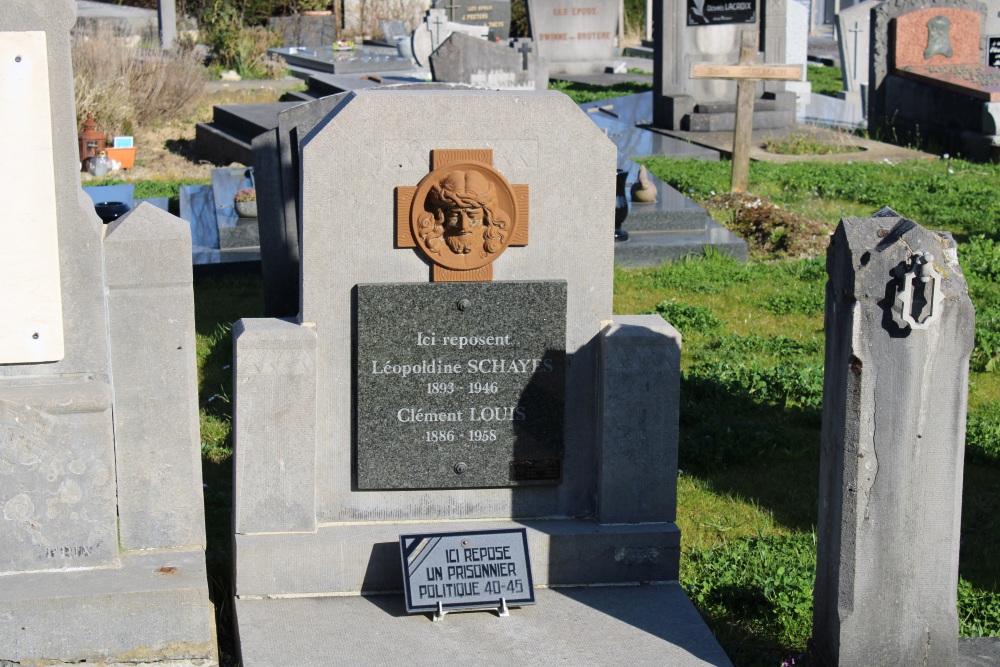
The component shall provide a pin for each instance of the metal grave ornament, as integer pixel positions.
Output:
(462, 215)
(482, 569)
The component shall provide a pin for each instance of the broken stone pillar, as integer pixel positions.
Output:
(899, 331)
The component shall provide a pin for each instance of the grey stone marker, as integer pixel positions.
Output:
(576, 36)
(683, 103)
(101, 515)
(899, 331)
(509, 65)
(315, 523)
(853, 36)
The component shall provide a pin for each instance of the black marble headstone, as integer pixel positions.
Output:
(716, 12)
(459, 384)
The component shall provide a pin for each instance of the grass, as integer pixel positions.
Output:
(825, 80)
(582, 93)
(752, 387)
(800, 143)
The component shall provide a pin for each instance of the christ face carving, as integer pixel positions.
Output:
(461, 209)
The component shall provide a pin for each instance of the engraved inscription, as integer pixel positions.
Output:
(449, 394)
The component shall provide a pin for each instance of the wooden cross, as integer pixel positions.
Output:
(747, 72)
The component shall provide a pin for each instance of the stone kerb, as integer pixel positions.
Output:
(892, 451)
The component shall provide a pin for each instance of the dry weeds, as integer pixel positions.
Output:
(127, 86)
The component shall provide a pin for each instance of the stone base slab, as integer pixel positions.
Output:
(348, 558)
(153, 609)
(616, 625)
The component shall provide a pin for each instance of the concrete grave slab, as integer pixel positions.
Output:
(642, 625)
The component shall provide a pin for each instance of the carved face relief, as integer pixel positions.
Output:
(938, 38)
(463, 215)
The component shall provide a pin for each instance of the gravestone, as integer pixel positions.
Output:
(492, 14)
(102, 530)
(899, 332)
(393, 31)
(786, 40)
(853, 37)
(435, 29)
(510, 65)
(425, 389)
(302, 30)
(928, 81)
(708, 31)
(575, 36)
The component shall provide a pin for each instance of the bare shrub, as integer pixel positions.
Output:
(126, 87)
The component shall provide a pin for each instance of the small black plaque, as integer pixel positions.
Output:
(718, 12)
(468, 570)
(993, 51)
(460, 385)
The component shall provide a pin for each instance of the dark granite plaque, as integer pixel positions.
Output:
(459, 384)
(475, 569)
(494, 14)
(717, 12)
(993, 51)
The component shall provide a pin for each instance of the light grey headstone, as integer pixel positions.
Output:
(899, 331)
(512, 65)
(312, 515)
(95, 567)
(575, 37)
(786, 42)
(853, 34)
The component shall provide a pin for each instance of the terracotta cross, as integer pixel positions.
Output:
(747, 72)
(462, 215)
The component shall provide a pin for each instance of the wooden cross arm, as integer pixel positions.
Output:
(771, 72)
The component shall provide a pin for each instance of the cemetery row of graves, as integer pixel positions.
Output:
(751, 391)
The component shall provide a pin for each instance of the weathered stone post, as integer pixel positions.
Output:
(899, 331)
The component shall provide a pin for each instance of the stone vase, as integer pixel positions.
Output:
(246, 209)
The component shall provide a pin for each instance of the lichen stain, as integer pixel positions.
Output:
(19, 508)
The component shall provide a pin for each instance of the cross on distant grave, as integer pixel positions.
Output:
(747, 73)
(452, 7)
(437, 30)
(524, 50)
(854, 57)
